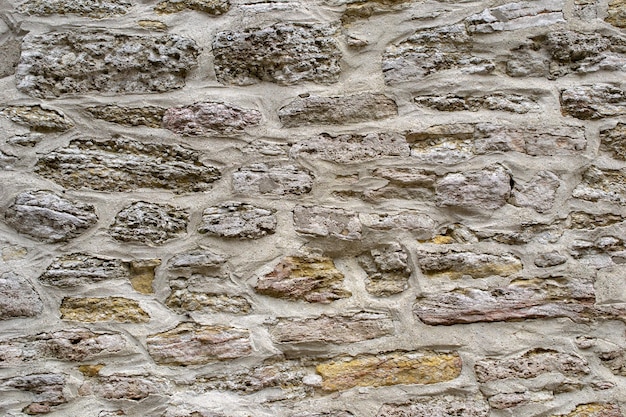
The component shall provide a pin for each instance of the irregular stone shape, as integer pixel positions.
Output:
(308, 278)
(272, 178)
(124, 387)
(97, 9)
(142, 275)
(210, 117)
(603, 252)
(447, 144)
(514, 16)
(212, 7)
(436, 406)
(197, 259)
(422, 225)
(91, 310)
(18, 298)
(530, 365)
(387, 270)
(455, 265)
(520, 234)
(602, 185)
(401, 182)
(327, 222)
(184, 300)
(594, 410)
(7, 161)
(81, 61)
(617, 13)
(503, 401)
(593, 101)
(195, 344)
(47, 390)
(284, 53)
(127, 165)
(548, 259)
(149, 223)
(48, 217)
(27, 139)
(432, 50)
(347, 328)
(77, 269)
(38, 118)
(579, 220)
(539, 193)
(389, 369)
(9, 56)
(149, 116)
(614, 141)
(614, 360)
(486, 189)
(65, 345)
(240, 220)
(353, 108)
(512, 103)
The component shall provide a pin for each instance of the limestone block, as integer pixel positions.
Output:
(38, 118)
(92, 309)
(272, 178)
(238, 220)
(149, 223)
(209, 117)
(327, 222)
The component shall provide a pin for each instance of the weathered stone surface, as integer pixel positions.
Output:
(127, 165)
(548, 259)
(389, 369)
(272, 178)
(30, 139)
(513, 103)
(124, 387)
(614, 141)
(66, 345)
(334, 413)
(184, 300)
(97, 9)
(437, 406)
(307, 278)
(327, 222)
(513, 16)
(91, 309)
(206, 118)
(347, 328)
(80, 61)
(432, 50)
(352, 108)
(77, 269)
(602, 185)
(149, 223)
(594, 410)
(18, 298)
(600, 253)
(486, 189)
(195, 344)
(503, 401)
(593, 101)
(421, 224)
(617, 13)
(213, 7)
(387, 270)
(455, 265)
(48, 217)
(38, 118)
(9, 56)
(521, 234)
(364, 9)
(539, 193)
(284, 53)
(238, 220)
(197, 259)
(530, 365)
(47, 390)
(142, 275)
(614, 360)
(579, 220)
(149, 116)
(152, 24)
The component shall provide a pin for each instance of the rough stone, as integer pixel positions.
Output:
(197, 259)
(594, 410)
(284, 53)
(18, 298)
(613, 141)
(307, 278)
(436, 406)
(9, 56)
(548, 259)
(209, 117)
(150, 116)
(539, 193)
(579, 220)
(354, 108)
(593, 101)
(512, 103)
(455, 265)
(389, 369)
(617, 13)
(364, 9)
(445, 144)
(142, 275)
(603, 252)
(184, 300)
(503, 401)
(387, 270)
(346, 328)
(272, 178)
(30, 139)
(238, 220)
(97, 9)
(401, 183)
(614, 360)
(602, 185)
(48, 217)
(334, 413)
(127, 165)
(37, 118)
(80, 61)
(514, 16)
(124, 387)
(486, 189)
(78, 269)
(327, 222)
(152, 25)
(149, 223)
(421, 224)
(47, 390)
(212, 7)
(91, 310)
(195, 344)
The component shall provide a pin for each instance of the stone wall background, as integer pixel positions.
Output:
(312, 208)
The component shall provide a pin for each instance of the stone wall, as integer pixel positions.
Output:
(313, 208)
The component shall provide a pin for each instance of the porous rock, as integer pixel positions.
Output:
(421, 224)
(593, 101)
(78, 268)
(46, 390)
(486, 189)
(272, 178)
(184, 300)
(209, 117)
(93, 309)
(614, 141)
(387, 270)
(38, 118)
(124, 387)
(18, 298)
(96, 9)
(455, 264)
(327, 222)
(514, 16)
(239, 220)
(149, 223)
(539, 193)
(212, 7)
(150, 116)
(435, 406)
(594, 410)
(602, 185)
(617, 13)
(512, 103)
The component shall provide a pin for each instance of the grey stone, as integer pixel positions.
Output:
(593, 101)
(589, 221)
(602, 185)
(78, 269)
(402, 183)
(80, 61)
(18, 298)
(48, 217)
(615, 360)
(421, 224)
(525, 64)
(512, 103)
(46, 390)
(38, 118)
(212, 7)
(209, 117)
(272, 178)
(539, 193)
(197, 259)
(486, 189)
(27, 139)
(614, 141)
(327, 222)
(240, 220)
(334, 413)
(284, 53)
(514, 16)
(503, 401)
(437, 406)
(548, 259)
(124, 387)
(387, 270)
(150, 116)
(96, 9)
(149, 223)
(455, 264)
(9, 56)
(187, 299)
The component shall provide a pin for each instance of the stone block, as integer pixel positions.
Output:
(238, 220)
(149, 223)
(103, 309)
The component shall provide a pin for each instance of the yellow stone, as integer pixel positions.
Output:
(617, 13)
(142, 275)
(91, 370)
(123, 310)
(12, 253)
(594, 410)
(152, 25)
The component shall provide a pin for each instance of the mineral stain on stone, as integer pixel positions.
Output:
(92, 309)
(455, 265)
(38, 118)
(238, 220)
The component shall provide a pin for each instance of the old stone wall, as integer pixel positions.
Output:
(313, 208)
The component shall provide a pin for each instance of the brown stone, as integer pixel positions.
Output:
(593, 101)
(142, 275)
(617, 13)
(90, 309)
(149, 116)
(149, 223)
(18, 298)
(613, 141)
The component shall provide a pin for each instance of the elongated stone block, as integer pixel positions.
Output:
(209, 117)
(149, 223)
(595, 101)
(239, 220)
(437, 406)
(327, 222)
(455, 264)
(272, 178)
(486, 189)
(38, 118)
(92, 309)
(96, 9)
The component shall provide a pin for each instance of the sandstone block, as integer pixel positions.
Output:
(538, 194)
(195, 344)
(18, 298)
(486, 189)
(272, 178)
(149, 116)
(436, 406)
(212, 7)
(307, 278)
(48, 217)
(96, 9)
(284, 53)
(421, 224)
(602, 185)
(127, 165)
(91, 310)
(594, 410)
(210, 117)
(238, 220)
(327, 222)
(149, 223)
(387, 270)
(124, 387)
(593, 101)
(455, 265)
(37, 118)
(351, 108)
(617, 13)
(514, 16)
(445, 144)
(613, 141)
(80, 61)
(46, 390)
(512, 103)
